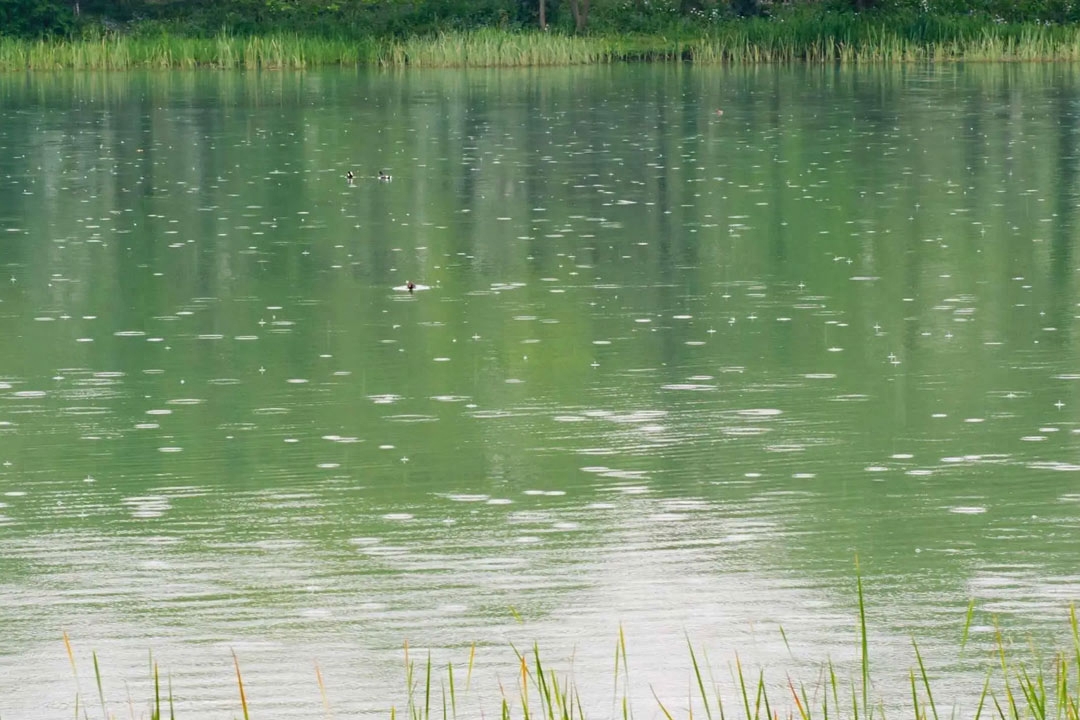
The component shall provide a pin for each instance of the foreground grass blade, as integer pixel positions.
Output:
(156, 714)
(322, 690)
(783, 636)
(453, 697)
(74, 671)
(427, 689)
(70, 654)
(240, 685)
(867, 708)
(925, 679)
(914, 696)
(697, 674)
(661, 704)
(967, 624)
(803, 712)
(468, 672)
(982, 697)
(742, 687)
(101, 693)
(762, 698)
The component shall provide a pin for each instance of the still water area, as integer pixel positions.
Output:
(667, 369)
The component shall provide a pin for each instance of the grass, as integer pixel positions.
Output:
(855, 39)
(816, 38)
(1012, 689)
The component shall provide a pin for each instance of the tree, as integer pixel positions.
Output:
(36, 17)
(580, 11)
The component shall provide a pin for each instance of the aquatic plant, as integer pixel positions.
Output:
(815, 38)
(1013, 688)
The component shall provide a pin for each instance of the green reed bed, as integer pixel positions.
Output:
(814, 38)
(493, 48)
(172, 51)
(862, 39)
(481, 48)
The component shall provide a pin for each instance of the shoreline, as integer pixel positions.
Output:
(844, 39)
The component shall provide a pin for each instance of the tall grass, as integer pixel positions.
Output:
(481, 48)
(269, 52)
(1012, 688)
(817, 38)
(863, 39)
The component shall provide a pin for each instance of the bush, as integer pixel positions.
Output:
(403, 18)
(34, 18)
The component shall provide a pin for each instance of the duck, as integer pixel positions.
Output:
(410, 285)
(350, 176)
(384, 176)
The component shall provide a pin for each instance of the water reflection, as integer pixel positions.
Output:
(673, 369)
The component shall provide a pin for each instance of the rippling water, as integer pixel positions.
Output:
(666, 370)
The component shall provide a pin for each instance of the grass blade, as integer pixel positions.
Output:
(658, 702)
(468, 672)
(925, 679)
(982, 697)
(101, 693)
(70, 654)
(742, 687)
(700, 683)
(427, 689)
(322, 689)
(865, 643)
(914, 696)
(453, 697)
(240, 685)
(156, 714)
(967, 623)
(803, 712)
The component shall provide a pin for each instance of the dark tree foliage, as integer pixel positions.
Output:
(746, 8)
(37, 18)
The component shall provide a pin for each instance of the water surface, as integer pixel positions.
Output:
(672, 369)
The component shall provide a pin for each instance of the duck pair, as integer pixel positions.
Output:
(350, 176)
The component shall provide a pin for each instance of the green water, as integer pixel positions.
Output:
(667, 368)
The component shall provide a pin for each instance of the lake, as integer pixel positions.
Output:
(686, 342)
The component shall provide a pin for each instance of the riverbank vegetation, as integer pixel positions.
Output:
(845, 39)
(273, 34)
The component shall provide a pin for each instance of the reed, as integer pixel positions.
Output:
(864, 39)
(813, 38)
(494, 48)
(1013, 688)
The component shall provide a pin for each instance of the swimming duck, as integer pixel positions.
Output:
(410, 285)
(384, 176)
(350, 176)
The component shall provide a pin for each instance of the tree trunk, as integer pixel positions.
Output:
(543, 16)
(580, 9)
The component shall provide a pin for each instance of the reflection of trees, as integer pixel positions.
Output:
(1063, 232)
(888, 167)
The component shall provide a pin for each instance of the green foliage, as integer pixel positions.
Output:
(407, 18)
(36, 17)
